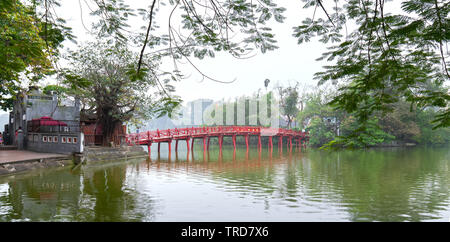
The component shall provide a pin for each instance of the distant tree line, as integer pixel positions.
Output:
(405, 124)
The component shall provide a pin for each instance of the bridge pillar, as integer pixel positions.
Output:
(220, 143)
(246, 142)
(192, 145)
(290, 143)
(149, 149)
(270, 151)
(246, 155)
(207, 143)
(187, 149)
(220, 157)
(270, 143)
(204, 144)
(259, 158)
(234, 141)
(169, 143)
(176, 146)
(280, 143)
(259, 143)
(159, 147)
(187, 155)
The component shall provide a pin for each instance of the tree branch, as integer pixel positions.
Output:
(323, 8)
(146, 37)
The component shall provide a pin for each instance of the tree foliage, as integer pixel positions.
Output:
(388, 57)
(289, 101)
(27, 46)
(194, 29)
(104, 78)
(329, 128)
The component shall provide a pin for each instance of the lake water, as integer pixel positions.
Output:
(402, 184)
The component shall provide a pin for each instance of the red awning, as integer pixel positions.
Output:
(47, 121)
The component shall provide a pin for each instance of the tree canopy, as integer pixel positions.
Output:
(387, 57)
(28, 44)
(289, 100)
(329, 127)
(104, 78)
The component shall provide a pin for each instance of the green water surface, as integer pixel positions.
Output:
(401, 184)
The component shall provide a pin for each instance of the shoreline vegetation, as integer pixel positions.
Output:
(331, 127)
(253, 142)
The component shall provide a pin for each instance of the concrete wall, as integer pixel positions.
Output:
(38, 105)
(45, 142)
(95, 154)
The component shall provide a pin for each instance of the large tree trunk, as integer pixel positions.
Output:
(289, 122)
(109, 125)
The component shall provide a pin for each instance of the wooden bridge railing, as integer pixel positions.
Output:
(195, 132)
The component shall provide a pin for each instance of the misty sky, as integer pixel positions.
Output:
(284, 66)
(288, 64)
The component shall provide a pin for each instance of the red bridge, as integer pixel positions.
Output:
(206, 133)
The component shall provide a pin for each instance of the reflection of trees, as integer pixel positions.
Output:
(409, 184)
(370, 185)
(112, 202)
(47, 196)
(97, 193)
(373, 185)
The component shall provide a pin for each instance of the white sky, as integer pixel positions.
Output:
(288, 64)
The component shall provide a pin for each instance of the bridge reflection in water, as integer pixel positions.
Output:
(294, 138)
(215, 160)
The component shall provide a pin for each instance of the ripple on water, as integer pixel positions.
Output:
(317, 187)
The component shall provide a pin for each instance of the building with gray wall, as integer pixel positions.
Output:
(35, 105)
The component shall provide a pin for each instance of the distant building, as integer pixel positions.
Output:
(196, 109)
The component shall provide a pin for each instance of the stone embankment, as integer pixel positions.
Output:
(104, 154)
(17, 161)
